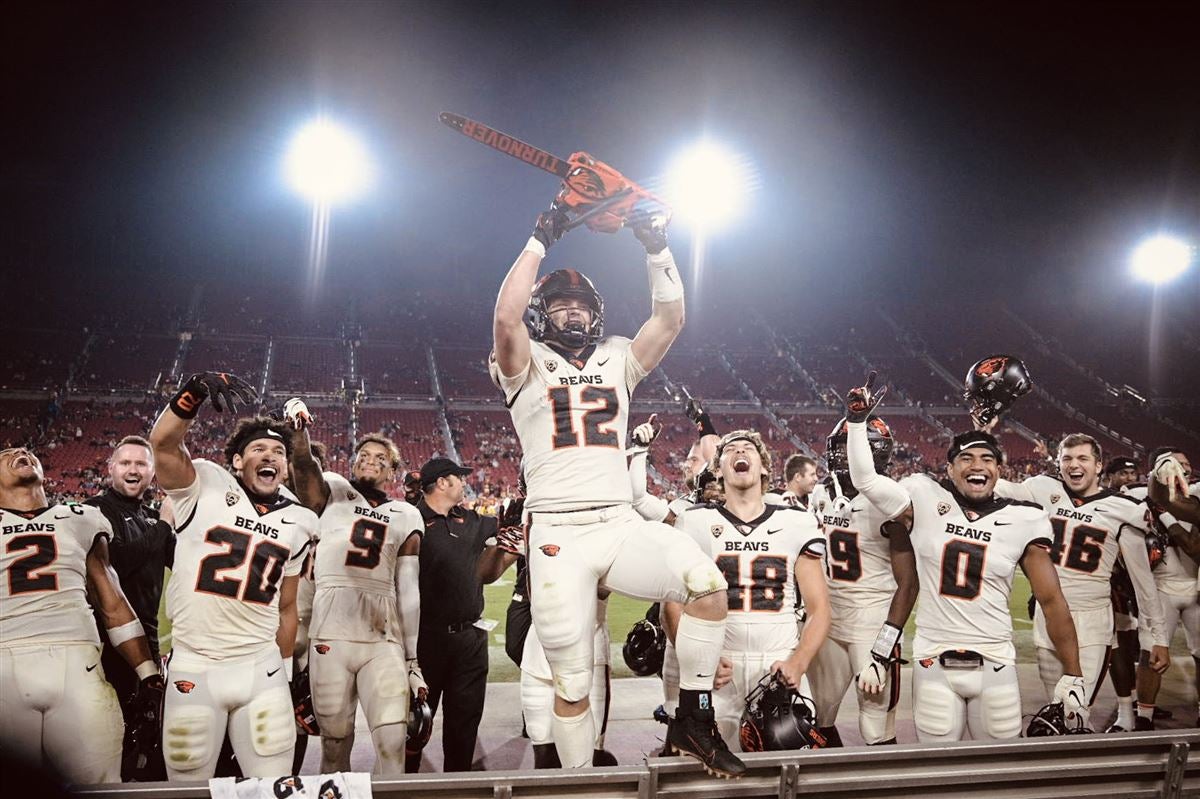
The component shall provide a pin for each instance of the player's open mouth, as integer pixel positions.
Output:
(267, 472)
(21, 461)
(132, 480)
(741, 465)
(977, 479)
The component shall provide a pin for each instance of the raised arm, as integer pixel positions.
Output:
(307, 480)
(666, 293)
(508, 321)
(883, 492)
(172, 463)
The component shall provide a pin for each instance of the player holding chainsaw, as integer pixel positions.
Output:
(568, 388)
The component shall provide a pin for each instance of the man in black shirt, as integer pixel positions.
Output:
(139, 550)
(459, 553)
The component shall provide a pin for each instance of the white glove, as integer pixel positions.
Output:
(295, 413)
(1168, 471)
(884, 653)
(1071, 692)
(645, 433)
(416, 680)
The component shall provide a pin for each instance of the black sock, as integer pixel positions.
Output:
(832, 737)
(691, 701)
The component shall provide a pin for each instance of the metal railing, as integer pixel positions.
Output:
(1152, 764)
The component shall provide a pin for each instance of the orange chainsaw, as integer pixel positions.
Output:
(592, 192)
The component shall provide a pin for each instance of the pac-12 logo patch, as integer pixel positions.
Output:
(549, 550)
(231, 498)
(551, 365)
(184, 686)
(943, 508)
(716, 530)
(1054, 498)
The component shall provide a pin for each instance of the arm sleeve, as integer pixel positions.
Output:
(1132, 541)
(1010, 490)
(647, 505)
(408, 596)
(884, 493)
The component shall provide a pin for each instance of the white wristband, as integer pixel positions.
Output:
(1166, 519)
(146, 669)
(536, 247)
(288, 668)
(885, 641)
(665, 285)
(125, 632)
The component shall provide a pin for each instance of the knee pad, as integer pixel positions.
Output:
(537, 705)
(1001, 713)
(385, 698)
(272, 723)
(187, 737)
(390, 741)
(335, 716)
(573, 683)
(704, 578)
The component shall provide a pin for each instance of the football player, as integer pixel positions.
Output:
(568, 388)
(1168, 487)
(861, 587)
(765, 552)
(800, 476)
(366, 610)
(1091, 526)
(964, 544)
(1175, 579)
(240, 547)
(56, 709)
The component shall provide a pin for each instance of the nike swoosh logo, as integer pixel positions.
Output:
(601, 363)
(772, 532)
(60, 518)
(703, 676)
(997, 668)
(285, 521)
(273, 673)
(1003, 524)
(92, 667)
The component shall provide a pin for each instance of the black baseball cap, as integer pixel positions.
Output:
(440, 467)
(974, 438)
(1117, 464)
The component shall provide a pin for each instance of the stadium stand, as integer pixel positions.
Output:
(306, 366)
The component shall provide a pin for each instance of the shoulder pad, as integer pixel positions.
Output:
(1022, 503)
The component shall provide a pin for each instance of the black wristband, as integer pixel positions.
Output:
(705, 425)
(187, 401)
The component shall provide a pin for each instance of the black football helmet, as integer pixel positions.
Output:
(778, 718)
(564, 283)
(879, 435)
(420, 725)
(1051, 720)
(645, 645)
(1156, 547)
(994, 384)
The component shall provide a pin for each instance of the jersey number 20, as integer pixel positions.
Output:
(266, 567)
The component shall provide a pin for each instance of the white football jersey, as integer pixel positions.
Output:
(571, 416)
(858, 562)
(43, 588)
(1087, 533)
(355, 566)
(231, 556)
(966, 559)
(758, 559)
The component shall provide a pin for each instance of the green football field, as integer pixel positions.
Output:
(623, 612)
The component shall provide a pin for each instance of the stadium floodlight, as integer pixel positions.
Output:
(707, 185)
(326, 163)
(1160, 259)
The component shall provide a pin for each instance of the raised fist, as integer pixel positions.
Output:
(861, 402)
(296, 414)
(551, 224)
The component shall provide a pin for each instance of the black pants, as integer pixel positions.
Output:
(455, 666)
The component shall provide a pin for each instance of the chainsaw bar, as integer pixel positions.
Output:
(509, 145)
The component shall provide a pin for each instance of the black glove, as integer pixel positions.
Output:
(142, 760)
(695, 411)
(225, 390)
(861, 402)
(550, 225)
(302, 703)
(650, 229)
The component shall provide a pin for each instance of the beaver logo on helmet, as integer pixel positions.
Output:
(993, 384)
(989, 366)
(571, 284)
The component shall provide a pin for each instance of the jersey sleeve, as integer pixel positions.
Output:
(1010, 490)
(305, 534)
(407, 521)
(208, 475)
(511, 386)
(1040, 533)
(95, 525)
(634, 373)
(692, 522)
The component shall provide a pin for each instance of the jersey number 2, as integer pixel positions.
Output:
(266, 567)
(21, 577)
(605, 411)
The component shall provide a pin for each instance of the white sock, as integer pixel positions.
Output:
(1145, 711)
(575, 738)
(1125, 712)
(698, 644)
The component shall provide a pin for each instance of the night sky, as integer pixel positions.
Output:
(906, 152)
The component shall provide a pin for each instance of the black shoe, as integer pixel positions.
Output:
(1141, 724)
(694, 733)
(1114, 727)
(1162, 714)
